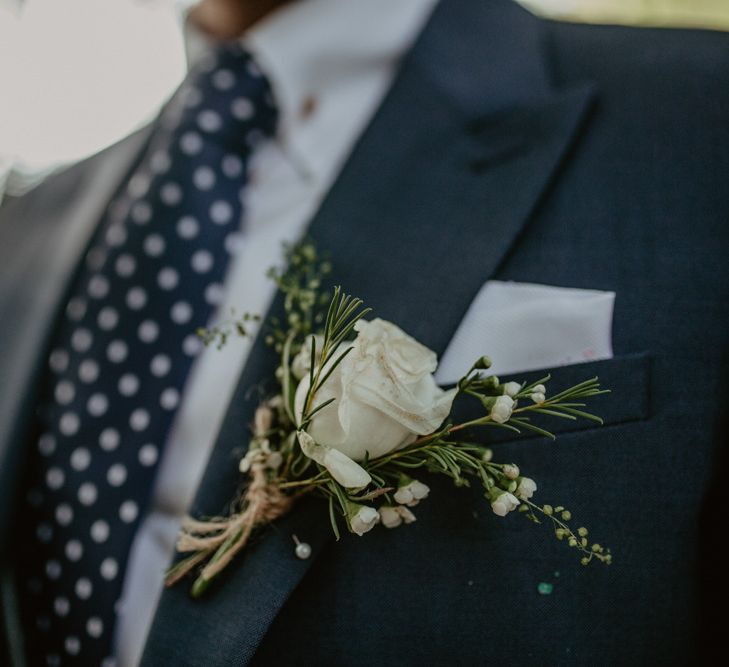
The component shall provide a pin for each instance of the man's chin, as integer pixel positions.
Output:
(228, 19)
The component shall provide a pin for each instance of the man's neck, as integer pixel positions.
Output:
(228, 19)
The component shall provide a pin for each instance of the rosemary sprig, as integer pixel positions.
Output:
(343, 314)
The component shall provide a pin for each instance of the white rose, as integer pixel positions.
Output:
(394, 515)
(411, 493)
(502, 409)
(504, 502)
(526, 488)
(362, 518)
(385, 394)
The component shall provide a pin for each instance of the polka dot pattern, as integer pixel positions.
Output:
(154, 272)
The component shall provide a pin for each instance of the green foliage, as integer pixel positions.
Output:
(305, 301)
(220, 333)
(326, 324)
(343, 314)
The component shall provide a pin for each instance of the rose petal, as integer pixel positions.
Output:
(346, 472)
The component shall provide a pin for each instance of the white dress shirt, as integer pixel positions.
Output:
(330, 63)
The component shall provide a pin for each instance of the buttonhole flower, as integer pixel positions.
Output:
(384, 394)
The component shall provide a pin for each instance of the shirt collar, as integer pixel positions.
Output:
(312, 50)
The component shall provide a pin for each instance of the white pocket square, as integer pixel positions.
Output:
(524, 327)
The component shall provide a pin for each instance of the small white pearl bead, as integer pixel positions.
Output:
(303, 550)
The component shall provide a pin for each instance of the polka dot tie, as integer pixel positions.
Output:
(122, 352)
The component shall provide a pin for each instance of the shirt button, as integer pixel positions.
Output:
(308, 106)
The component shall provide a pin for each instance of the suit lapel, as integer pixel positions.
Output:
(42, 239)
(431, 201)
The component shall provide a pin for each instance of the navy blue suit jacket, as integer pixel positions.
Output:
(514, 148)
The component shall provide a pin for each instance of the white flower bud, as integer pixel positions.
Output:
(394, 516)
(411, 492)
(526, 488)
(361, 518)
(247, 461)
(406, 514)
(502, 409)
(390, 517)
(487, 455)
(511, 470)
(503, 503)
(511, 388)
(274, 460)
(263, 420)
(245, 464)
(538, 397)
(276, 402)
(540, 389)
(420, 490)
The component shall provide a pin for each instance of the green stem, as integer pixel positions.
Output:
(316, 480)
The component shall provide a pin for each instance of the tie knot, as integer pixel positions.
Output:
(227, 98)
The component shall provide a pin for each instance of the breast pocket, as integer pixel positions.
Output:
(627, 377)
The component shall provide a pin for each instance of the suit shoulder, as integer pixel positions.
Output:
(68, 182)
(60, 184)
(644, 57)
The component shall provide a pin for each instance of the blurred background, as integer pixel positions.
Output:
(77, 75)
